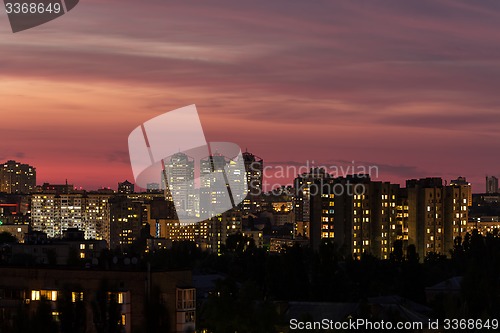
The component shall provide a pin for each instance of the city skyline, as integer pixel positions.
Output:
(267, 185)
(385, 84)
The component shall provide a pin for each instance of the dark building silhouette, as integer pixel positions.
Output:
(140, 297)
(491, 184)
(126, 187)
(16, 177)
(254, 170)
(126, 220)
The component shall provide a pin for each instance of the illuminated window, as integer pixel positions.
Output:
(35, 295)
(76, 296)
(120, 298)
(82, 246)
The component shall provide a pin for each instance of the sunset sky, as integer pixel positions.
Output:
(410, 86)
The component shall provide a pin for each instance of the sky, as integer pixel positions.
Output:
(408, 86)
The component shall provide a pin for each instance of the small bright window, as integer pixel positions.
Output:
(35, 295)
(120, 298)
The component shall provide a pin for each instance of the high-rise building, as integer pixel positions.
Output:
(237, 181)
(437, 214)
(54, 213)
(462, 181)
(303, 184)
(491, 184)
(126, 221)
(96, 217)
(17, 177)
(254, 169)
(222, 226)
(388, 204)
(426, 225)
(222, 185)
(359, 215)
(179, 170)
(456, 213)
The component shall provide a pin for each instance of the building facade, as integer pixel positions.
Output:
(129, 300)
(491, 184)
(54, 213)
(254, 171)
(437, 215)
(303, 185)
(17, 177)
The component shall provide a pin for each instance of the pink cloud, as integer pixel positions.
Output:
(395, 83)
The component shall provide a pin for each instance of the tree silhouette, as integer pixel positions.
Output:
(106, 310)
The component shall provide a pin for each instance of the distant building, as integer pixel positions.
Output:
(126, 187)
(465, 185)
(282, 218)
(303, 184)
(56, 188)
(17, 177)
(377, 216)
(14, 208)
(157, 244)
(254, 170)
(55, 213)
(491, 184)
(484, 215)
(126, 220)
(280, 204)
(484, 225)
(279, 244)
(220, 227)
(359, 215)
(179, 170)
(153, 187)
(159, 212)
(222, 185)
(174, 230)
(438, 214)
(257, 237)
